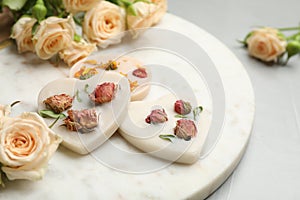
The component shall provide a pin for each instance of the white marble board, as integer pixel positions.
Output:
(98, 176)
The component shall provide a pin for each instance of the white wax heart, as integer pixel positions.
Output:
(146, 136)
(111, 114)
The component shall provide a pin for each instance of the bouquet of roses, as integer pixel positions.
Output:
(47, 27)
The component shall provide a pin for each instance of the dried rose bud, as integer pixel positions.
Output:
(81, 120)
(157, 116)
(103, 93)
(140, 72)
(182, 107)
(185, 129)
(59, 103)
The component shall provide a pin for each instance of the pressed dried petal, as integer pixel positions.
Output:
(103, 93)
(59, 103)
(185, 129)
(182, 107)
(140, 72)
(81, 120)
(157, 116)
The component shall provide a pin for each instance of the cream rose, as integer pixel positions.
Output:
(148, 14)
(76, 52)
(26, 145)
(104, 24)
(53, 35)
(22, 33)
(75, 6)
(266, 44)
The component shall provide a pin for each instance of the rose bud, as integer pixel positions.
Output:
(103, 93)
(293, 48)
(81, 120)
(157, 116)
(182, 107)
(39, 10)
(59, 103)
(185, 129)
(140, 73)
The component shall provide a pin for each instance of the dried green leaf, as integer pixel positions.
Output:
(180, 116)
(86, 88)
(77, 96)
(197, 111)
(51, 114)
(54, 122)
(167, 137)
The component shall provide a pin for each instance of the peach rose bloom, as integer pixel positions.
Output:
(75, 6)
(148, 14)
(104, 24)
(21, 32)
(76, 52)
(26, 145)
(265, 44)
(53, 35)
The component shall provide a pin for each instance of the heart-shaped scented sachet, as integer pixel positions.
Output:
(167, 128)
(88, 111)
(138, 75)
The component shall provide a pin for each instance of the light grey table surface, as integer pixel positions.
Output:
(270, 168)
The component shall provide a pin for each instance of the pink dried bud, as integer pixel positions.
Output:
(59, 103)
(182, 107)
(81, 120)
(157, 116)
(185, 129)
(103, 93)
(140, 72)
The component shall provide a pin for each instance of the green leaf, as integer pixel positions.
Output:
(131, 10)
(180, 116)
(245, 39)
(14, 4)
(167, 137)
(51, 114)
(77, 96)
(77, 38)
(54, 122)
(145, 1)
(125, 3)
(86, 88)
(197, 111)
(34, 28)
(27, 8)
(78, 18)
(114, 1)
